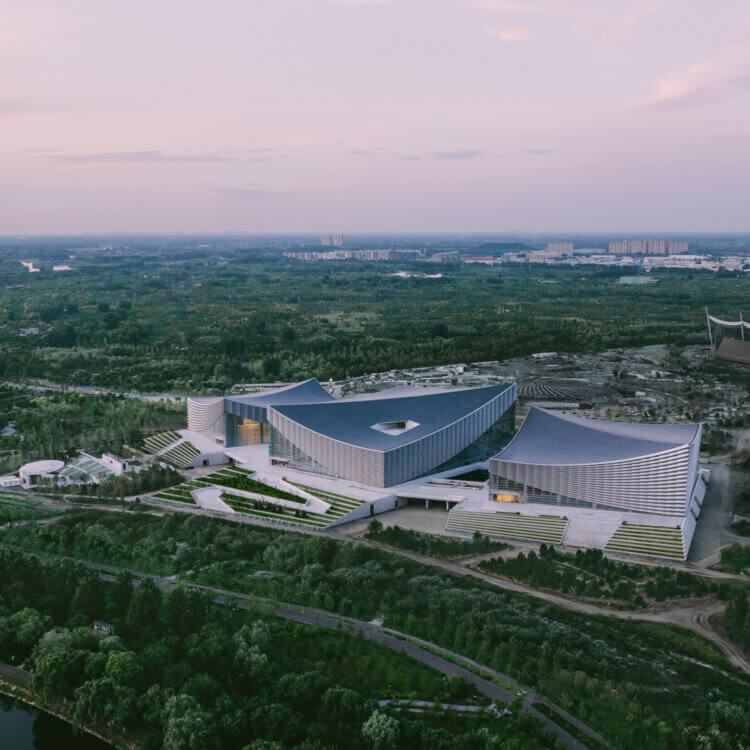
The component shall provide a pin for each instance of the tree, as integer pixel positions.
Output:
(456, 688)
(23, 629)
(381, 732)
(341, 705)
(187, 726)
(123, 669)
(57, 671)
(103, 700)
(729, 716)
(321, 550)
(145, 607)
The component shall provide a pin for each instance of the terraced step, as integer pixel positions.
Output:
(159, 441)
(287, 515)
(183, 454)
(654, 541)
(548, 529)
(176, 495)
(340, 505)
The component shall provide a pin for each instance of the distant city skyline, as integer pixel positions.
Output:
(321, 116)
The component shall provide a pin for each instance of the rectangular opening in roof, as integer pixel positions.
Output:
(395, 428)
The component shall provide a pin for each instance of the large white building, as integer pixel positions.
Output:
(626, 488)
(379, 439)
(629, 488)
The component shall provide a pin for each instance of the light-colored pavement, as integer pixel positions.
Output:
(715, 514)
(45, 385)
(422, 706)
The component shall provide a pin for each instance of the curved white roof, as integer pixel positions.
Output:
(391, 418)
(555, 438)
(306, 392)
(48, 466)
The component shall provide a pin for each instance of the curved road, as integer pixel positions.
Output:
(415, 648)
(692, 614)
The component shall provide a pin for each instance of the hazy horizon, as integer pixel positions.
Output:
(383, 233)
(374, 116)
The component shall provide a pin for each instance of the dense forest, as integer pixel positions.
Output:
(640, 684)
(57, 424)
(191, 320)
(180, 673)
(590, 574)
(431, 544)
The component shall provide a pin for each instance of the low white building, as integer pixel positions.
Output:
(115, 464)
(39, 472)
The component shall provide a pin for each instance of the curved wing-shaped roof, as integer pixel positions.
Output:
(359, 421)
(306, 392)
(255, 405)
(555, 438)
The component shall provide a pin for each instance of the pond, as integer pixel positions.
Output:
(23, 727)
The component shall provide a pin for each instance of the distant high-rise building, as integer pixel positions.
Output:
(677, 246)
(557, 249)
(644, 247)
(449, 256)
(657, 247)
(331, 240)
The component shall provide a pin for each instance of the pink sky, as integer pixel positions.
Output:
(370, 115)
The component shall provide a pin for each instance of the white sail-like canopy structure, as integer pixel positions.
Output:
(646, 468)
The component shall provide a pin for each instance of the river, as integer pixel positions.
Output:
(23, 727)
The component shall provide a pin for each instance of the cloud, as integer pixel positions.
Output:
(457, 155)
(510, 33)
(540, 151)
(712, 81)
(595, 22)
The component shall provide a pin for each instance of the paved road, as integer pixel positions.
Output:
(403, 643)
(715, 515)
(421, 706)
(691, 614)
(45, 385)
